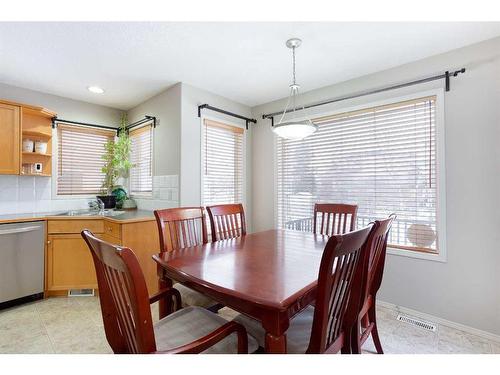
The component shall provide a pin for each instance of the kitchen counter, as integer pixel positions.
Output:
(131, 216)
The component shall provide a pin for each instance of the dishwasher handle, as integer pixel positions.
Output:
(19, 230)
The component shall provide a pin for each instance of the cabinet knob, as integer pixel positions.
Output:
(48, 242)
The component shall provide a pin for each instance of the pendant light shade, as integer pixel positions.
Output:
(293, 128)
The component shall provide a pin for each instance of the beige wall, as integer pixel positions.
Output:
(465, 288)
(166, 107)
(190, 182)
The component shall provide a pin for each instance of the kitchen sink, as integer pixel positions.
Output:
(91, 213)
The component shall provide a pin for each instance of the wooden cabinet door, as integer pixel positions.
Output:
(69, 263)
(9, 139)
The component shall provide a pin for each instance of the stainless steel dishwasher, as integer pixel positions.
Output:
(21, 262)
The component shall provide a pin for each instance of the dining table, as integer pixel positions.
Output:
(270, 276)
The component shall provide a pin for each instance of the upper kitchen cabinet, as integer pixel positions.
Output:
(26, 142)
(10, 120)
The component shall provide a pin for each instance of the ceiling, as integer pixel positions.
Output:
(246, 62)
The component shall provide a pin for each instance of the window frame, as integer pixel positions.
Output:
(243, 153)
(145, 195)
(55, 161)
(372, 101)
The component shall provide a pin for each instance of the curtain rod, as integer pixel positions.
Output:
(446, 76)
(55, 120)
(207, 106)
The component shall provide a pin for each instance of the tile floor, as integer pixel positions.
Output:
(74, 325)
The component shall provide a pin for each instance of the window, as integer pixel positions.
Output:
(141, 158)
(381, 158)
(80, 151)
(222, 163)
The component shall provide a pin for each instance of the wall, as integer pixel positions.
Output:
(34, 194)
(166, 107)
(465, 288)
(190, 181)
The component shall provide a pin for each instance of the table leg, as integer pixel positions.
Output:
(165, 304)
(275, 326)
(275, 344)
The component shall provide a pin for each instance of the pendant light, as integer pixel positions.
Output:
(293, 129)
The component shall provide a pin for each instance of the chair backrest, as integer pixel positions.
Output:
(181, 227)
(227, 221)
(124, 297)
(334, 218)
(376, 250)
(339, 280)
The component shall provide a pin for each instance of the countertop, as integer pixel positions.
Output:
(131, 216)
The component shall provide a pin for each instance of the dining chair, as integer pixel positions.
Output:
(126, 312)
(373, 269)
(179, 228)
(334, 218)
(325, 328)
(227, 221)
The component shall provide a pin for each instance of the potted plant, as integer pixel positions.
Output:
(117, 163)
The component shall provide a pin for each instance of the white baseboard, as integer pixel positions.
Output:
(448, 323)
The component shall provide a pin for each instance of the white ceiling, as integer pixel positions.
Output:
(246, 62)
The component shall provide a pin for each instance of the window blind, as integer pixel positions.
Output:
(141, 158)
(222, 163)
(80, 151)
(382, 158)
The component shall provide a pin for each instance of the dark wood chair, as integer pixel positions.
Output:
(126, 312)
(334, 218)
(325, 328)
(227, 221)
(179, 228)
(373, 270)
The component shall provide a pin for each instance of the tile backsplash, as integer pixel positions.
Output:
(21, 194)
(165, 194)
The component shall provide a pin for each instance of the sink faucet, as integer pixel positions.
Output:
(98, 204)
(101, 206)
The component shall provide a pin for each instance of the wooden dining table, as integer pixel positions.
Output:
(270, 276)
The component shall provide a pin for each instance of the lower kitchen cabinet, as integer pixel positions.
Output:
(69, 263)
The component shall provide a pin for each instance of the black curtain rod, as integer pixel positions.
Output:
(117, 130)
(446, 76)
(143, 121)
(55, 120)
(207, 106)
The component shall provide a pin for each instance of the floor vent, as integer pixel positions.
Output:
(81, 293)
(429, 326)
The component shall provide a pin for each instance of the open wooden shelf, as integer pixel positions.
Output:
(31, 133)
(36, 153)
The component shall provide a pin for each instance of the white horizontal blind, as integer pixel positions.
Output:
(141, 158)
(222, 163)
(383, 159)
(80, 151)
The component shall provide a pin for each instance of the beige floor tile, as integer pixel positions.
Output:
(74, 325)
(495, 347)
(34, 344)
(455, 341)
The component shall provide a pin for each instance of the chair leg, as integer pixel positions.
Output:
(355, 339)
(346, 345)
(373, 319)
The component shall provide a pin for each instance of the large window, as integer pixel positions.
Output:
(80, 151)
(222, 163)
(141, 158)
(381, 158)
